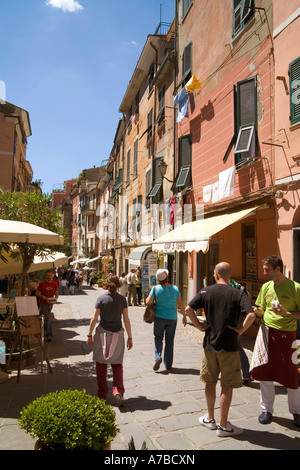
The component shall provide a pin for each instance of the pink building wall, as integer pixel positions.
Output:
(219, 62)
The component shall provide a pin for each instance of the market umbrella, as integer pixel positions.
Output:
(49, 261)
(12, 231)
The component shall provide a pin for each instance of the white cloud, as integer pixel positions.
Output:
(65, 5)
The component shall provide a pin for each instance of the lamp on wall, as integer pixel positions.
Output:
(163, 169)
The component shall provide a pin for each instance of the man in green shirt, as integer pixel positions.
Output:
(278, 303)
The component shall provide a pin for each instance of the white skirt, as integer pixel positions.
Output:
(108, 347)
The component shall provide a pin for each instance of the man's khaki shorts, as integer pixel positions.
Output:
(226, 363)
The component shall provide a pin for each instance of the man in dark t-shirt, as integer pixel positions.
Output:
(223, 305)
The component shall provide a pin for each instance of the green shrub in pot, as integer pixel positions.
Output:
(70, 420)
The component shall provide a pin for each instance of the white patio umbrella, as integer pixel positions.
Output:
(12, 231)
(14, 266)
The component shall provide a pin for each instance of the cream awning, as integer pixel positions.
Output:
(92, 260)
(81, 260)
(195, 236)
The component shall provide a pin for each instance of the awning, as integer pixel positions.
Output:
(195, 236)
(140, 253)
(81, 260)
(91, 260)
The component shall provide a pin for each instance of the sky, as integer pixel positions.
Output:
(68, 63)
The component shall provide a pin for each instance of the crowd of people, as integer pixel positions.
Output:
(228, 314)
(224, 304)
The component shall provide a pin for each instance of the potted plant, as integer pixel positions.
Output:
(69, 420)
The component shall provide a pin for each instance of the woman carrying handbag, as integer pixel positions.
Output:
(167, 298)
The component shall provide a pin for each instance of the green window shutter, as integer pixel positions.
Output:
(245, 119)
(295, 90)
(247, 102)
(156, 191)
(187, 63)
(184, 178)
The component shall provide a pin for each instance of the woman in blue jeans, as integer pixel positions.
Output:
(167, 297)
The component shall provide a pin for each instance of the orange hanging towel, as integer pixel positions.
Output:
(193, 84)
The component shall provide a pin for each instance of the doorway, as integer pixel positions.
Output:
(183, 275)
(296, 254)
(206, 263)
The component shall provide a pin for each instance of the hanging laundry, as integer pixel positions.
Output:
(207, 193)
(226, 182)
(193, 84)
(182, 99)
(215, 192)
(172, 204)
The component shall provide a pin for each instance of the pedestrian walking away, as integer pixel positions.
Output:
(139, 286)
(108, 341)
(64, 285)
(123, 285)
(131, 282)
(223, 306)
(167, 297)
(72, 282)
(47, 293)
(275, 352)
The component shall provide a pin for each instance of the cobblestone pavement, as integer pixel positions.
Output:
(161, 408)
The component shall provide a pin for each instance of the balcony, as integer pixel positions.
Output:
(89, 208)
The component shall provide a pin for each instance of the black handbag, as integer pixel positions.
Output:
(149, 313)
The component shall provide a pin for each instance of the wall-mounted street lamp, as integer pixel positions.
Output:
(163, 169)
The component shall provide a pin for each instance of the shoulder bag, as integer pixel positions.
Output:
(149, 313)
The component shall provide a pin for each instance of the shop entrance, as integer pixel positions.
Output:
(183, 275)
(206, 263)
(296, 254)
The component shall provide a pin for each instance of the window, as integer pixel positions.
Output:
(294, 72)
(184, 5)
(242, 12)
(244, 139)
(156, 191)
(151, 74)
(187, 63)
(135, 158)
(128, 166)
(245, 120)
(148, 187)
(118, 182)
(132, 227)
(149, 125)
(184, 178)
(161, 107)
(139, 214)
(249, 251)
